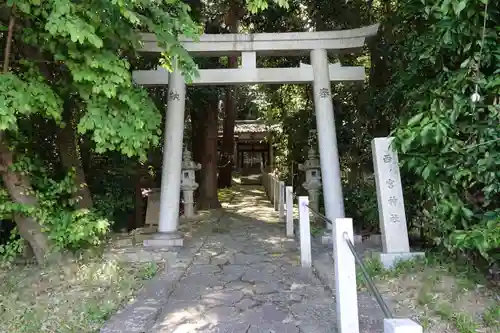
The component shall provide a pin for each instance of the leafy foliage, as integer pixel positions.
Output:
(449, 141)
(255, 6)
(90, 43)
(428, 60)
(113, 190)
(423, 71)
(67, 227)
(11, 249)
(360, 204)
(76, 55)
(23, 95)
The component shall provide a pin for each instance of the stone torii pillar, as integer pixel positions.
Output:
(327, 137)
(172, 162)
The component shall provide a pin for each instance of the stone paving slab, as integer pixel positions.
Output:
(241, 274)
(142, 313)
(248, 280)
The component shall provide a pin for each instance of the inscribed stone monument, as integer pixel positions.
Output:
(395, 243)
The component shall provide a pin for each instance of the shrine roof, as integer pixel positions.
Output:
(248, 126)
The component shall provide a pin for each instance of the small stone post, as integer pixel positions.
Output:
(188, 182)
(313, 179)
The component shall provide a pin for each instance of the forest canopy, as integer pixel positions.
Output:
(78, 139)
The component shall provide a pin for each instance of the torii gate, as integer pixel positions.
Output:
(249, 46)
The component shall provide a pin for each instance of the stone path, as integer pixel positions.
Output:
(248, 279)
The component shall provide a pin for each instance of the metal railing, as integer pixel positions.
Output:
(321, 216)
(368, 280)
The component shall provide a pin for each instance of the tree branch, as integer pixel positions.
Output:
(8, 44)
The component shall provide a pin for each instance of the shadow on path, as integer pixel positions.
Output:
(247, 279)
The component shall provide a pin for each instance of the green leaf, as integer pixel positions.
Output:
(465, 63)
(467, 212)
(426, 172)
(415, 119)
(458, 6)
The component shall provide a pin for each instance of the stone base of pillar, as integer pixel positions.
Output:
(389, 260)
(164, 239)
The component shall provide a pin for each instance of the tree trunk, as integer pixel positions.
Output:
(208, 185)
(227, 149)
(138, 205)
(67, 142)
(18, 184)
(19, 188)
(142, 179)
(197, 139)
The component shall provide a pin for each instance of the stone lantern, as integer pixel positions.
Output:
(313, 178)
(188, 182)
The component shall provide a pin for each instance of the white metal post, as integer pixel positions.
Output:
(345, 277)
(282, 200)
(289, 211)
(271, 187)
(276, 193)
(305, 233)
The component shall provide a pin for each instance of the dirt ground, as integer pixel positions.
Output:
(76, 296)
(442, 297)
